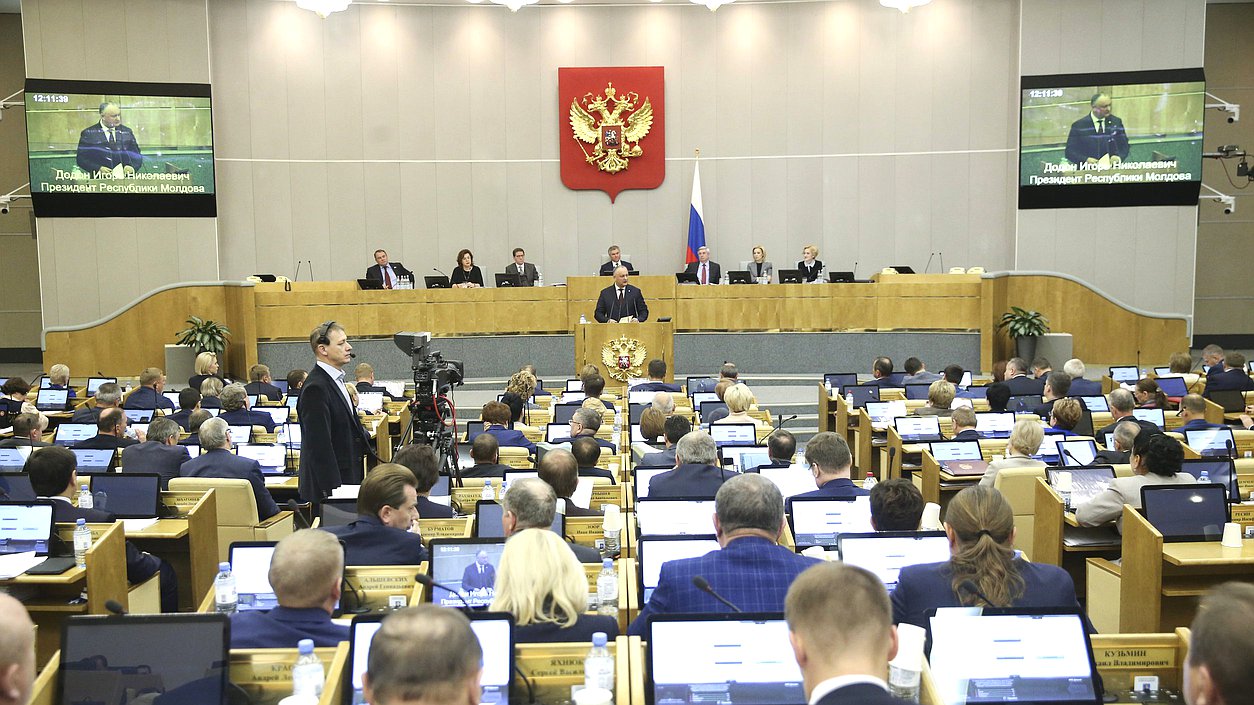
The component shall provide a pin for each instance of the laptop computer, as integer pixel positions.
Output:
(93, 383)
(1172, 386)
(563, 413)
(818, 521)
(13, 459)
(707, 408)
(488, 514)
(494, 630)
(790, 276)
(699, 398)
(739, 278)
(841, 277)
(686, 278)
(744, 458)
(455, 563)
(288, 435)
(279, 414)
(862, 393)
(959, 458)
(653, 551)
(735, 658)
(250, 564)
(1154, 416)
(1049, 447)
(370, 402)
(1095, 403)
(674, 517)
(436, 281)
(1211, 442)
(636, 409)
(882, 413)
(839, 380)
(108, 659)
(1024, 403)
(338, 512)
(973, 392)
(51, 399)
(917, 391)
(791, 481)
(1162, 371)
(1077, 452)
(556, 431)
(1125, 374)
(271, 458)
(140, 415)
(67, 434)
(700, 384)
(18, 487)
(885, 553)
(240, 435)
(1086, 482)
(1022, 655)
(740, 434)
(994, 424)
(26, 526)
(918, 429)
(642, 476)
(369, 284)
(1220, 471)
(1186, 512)
(131, 495)
(91, 461)
(504, 280)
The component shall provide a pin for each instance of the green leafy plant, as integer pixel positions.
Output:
(1022, 323)
(203, 335)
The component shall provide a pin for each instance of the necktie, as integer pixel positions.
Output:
(620, 296)
(387, 277)
(112, 136)
(705, 276)
(520, 269)
(1101, 125)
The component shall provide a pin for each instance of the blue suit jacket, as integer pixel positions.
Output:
(609, 308)
(1085, 388)
(968, 435)
(1198, 425)
(582, 630)
(283, 627)
(861, 694)
(751, 572)
(221, 463)
(369, 541)
(147, 398)
(924, 587)
(688, 481)
(433, 510)
(248, 417)
(840, 487)
(508, 437)
(1229, 380)
(151, 456)
(656, 387)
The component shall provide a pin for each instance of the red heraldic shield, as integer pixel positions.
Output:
(612, 128)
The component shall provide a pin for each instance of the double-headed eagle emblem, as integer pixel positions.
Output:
(616, 137)
(623, 358)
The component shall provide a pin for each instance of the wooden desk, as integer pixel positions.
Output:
(658, 340)
(553, 668)
(189, 544)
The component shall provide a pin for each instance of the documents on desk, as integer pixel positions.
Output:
(14, 564)
(345, 492)
(134, 526)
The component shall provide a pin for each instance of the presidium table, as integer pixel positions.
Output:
(1102, 329)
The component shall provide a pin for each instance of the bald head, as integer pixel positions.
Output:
(17, 652)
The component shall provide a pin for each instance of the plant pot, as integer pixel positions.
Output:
(1025, 347)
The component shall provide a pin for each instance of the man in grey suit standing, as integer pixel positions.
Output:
(526, 271)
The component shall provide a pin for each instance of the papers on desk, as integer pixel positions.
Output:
(14, 564)
(132, 526)
(792, 480)
(395, 388)
(446, 500)
(277, 480)
(582, 496)
(345, 492)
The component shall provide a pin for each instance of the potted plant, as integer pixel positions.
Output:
(204, 335)
(1026, 327)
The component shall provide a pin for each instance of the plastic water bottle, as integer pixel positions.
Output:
(607, 589)
(598, 667)
(85, 498)
(225, 597)
(869, 481)
(849, 401)
(583, 319)
(539, 278)
(488, 493)
(82, 543)
(1203, 477)
(308, 675)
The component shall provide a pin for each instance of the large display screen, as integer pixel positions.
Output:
(108, 149)
(1111, 139)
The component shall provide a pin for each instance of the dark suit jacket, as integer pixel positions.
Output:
(926, 586)
(861, 694)
(333, 439)
(147, 398)
(660, 459)
(607, 269)
(574, 510)
(221, 463)
(1020, 386)
(140, 566)
(472, 579)
(968, 435)
(22, 443)
(1085, 388)
(196, 380)
(840, 487)
(281, 627)
(368, 387)
(585, 554)
(151, 456)
(1085, 142)
(529, 275)
(688, 481)
(86, 414)
(375, 272)
(1234, 380)
(183, 419)
(1100, 434)
(1111, 457)
(487, 470)
(652, 386)
(598, 472)
(812, 273)
(1198, 425)
(633, 304)
(750, 572)
(99, 442)
(582, 630)
(262, 389)
(716, 272)
(432, 510)
(461, 276)
(600, 441)
(95, 150)
(248, 417)
(369, 541)
(507, 437)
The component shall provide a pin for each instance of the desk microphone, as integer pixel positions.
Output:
(437, 271)
(782, 422)
(971, 587)
(115, 607)
(929, 262)
(703, 585)
(1232, 452)
(942, 261)
(855, 270)
(428, 582)
(1067, 453)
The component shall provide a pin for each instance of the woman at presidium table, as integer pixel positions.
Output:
(759, 268)
(466, 275)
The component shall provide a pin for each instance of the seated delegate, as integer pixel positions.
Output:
(1156, 459)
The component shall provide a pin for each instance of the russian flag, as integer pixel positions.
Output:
(696, 222)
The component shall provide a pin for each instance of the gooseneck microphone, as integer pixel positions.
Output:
(428, 582)
(700, 583)
(1067, 453)
(971, 587)
(783, 421)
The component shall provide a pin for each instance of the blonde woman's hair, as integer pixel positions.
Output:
(739, 398)
(540, 581)
(211, 387)
(940, 394)
(59, 374)
(1026, 436)
(984, 523)
(593, 403)
(203, 361)
(523, 383)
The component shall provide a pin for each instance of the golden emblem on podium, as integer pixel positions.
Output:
(615, 138)
(623, 357)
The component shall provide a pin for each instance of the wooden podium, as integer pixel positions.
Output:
(658, 340)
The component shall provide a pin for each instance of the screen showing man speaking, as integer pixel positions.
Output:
(100, 149)
(1120, 139)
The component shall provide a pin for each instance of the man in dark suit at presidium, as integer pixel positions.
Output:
(108, 144)
(386, 271)
(621, 302)
(334, 440)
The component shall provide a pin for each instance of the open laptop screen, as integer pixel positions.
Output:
(1186, 512)
(25, 526)
(917, 391)
(882, 413)
(1210, 441)
(13, 459)
(1096, 403)
(863, 394)
(1154, 416)
(1218, 470)
(1085, 482)
(839, 380)
(741, 458)
(1125, 374)
(994, 424)
(272, 459)
(984, 655)
(642, 476)
(127, 496)
(656, 550)
(741, 434)
(250, 564)
(280, 414)
(93, 460)
(70, 433)
(1077, 452)
(1172, 386)
(93, 383)
(673, 517)
(468, 566)
(731, 659)
(488, 516)
(914, 429)
(51, 399)
(118, 659)
(139, 415)
(19, 487)
(885, 553)
(944, 451)
(818, 521)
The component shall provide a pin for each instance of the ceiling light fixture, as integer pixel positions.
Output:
(323, 8)
(903, 5)
(712, 4)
